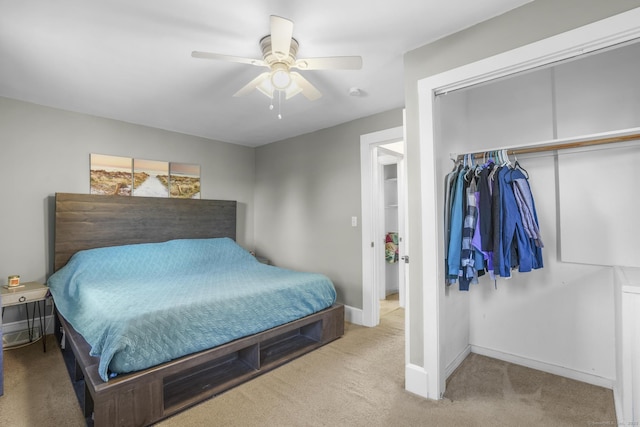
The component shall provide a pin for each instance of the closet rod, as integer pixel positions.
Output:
(561, 146)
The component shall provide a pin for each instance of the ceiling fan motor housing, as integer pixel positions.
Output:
(271, 57)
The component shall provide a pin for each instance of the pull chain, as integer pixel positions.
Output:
(279, 103)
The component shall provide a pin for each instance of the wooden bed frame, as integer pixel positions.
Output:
(145, 397)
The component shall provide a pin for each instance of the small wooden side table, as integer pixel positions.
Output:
(33, 293)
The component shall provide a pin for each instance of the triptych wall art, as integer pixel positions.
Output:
(125, 176)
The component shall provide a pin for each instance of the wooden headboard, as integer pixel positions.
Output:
(86, 221)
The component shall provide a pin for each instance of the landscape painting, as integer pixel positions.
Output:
(150, 178)
(111, 175)
(184, 180)
(125, 176)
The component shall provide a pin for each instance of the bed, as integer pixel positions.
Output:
(136, 241)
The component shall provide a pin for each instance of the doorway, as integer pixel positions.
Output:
(383, 178)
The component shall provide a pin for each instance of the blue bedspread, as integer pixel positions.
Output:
(141, 305)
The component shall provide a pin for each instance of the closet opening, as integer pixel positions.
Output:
(560, 319)
(561, 123)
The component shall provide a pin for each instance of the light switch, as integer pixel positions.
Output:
(354, 221)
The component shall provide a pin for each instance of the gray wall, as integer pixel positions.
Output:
(298, 195)
(45, 150)
(532, 22)
(307, 190)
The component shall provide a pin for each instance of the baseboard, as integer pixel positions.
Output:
(353, 315)
(545, 367)
(457, 361)
(16, 333)
(416, 380)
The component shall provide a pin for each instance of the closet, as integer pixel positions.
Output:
(561, 318)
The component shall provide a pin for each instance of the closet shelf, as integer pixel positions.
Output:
(565, 143)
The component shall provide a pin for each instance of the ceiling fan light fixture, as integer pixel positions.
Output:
(280, 79)
(269, 89)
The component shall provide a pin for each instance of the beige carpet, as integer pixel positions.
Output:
(37, 389)
(355, 381)
(389, 304)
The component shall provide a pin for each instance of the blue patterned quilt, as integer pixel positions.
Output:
(145, 304)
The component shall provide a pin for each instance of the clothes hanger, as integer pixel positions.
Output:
(487, 159)
(519, 166)
(468, 166)
(479, 167)
(456, 162)
(492, 174)
(505, 158)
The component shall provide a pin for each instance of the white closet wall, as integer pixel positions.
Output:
(559, 318)
(597, 94)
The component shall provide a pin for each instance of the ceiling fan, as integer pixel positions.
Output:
(279, 51)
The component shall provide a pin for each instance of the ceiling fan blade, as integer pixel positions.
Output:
(330, 63)
(252, 84)
(308, 90)
(281, 34)
(217, 56)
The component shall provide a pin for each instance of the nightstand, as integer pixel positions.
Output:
(30, 293)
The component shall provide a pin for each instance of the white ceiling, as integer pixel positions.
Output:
(130, 60)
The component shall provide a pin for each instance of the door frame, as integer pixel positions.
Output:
(371, 206)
